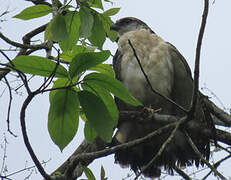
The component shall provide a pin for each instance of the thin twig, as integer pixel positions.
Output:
(21, 74)
(26, 42)
(36, 2)
(197, 59)
(9, 108)
(149, 83)
(162, 148)
(202, 158)
(216, 165)
(4, 156)
(181, 173)
(27, 168)
(51, 76)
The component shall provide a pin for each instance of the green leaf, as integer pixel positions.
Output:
(112, 85)
(63, 117)
(96, 4)
(98, 35)
(107, 22)
(89, 132)
(87, 21)
(48, 33)
(111, 12)
(34, 12)
(70, 54)
(83, 61)
(61, 82)
(88, 173)
(97, 114)
(58, 28)
(105, 69)
(72, 21)
(106, 97)
(37, 65)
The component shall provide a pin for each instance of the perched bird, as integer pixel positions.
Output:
(170, 75)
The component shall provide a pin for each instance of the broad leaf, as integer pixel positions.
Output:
(58, 28)
(96, 4)
(105, 69)
(111, 12)
(83, 61)
(48, 33)
(89, 132)
(87, 21)
(106, 97)
(97, 114)
(61, 82)
(34, 12)
(112, 85)
(70, 54)
(98, 35)
(37, 65)
(72, 21)
(63, 117)
(107, 22)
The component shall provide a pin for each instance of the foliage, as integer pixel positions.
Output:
(80, 33)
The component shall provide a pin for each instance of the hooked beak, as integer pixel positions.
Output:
(114, 27)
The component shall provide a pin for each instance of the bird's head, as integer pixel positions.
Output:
(128, 24)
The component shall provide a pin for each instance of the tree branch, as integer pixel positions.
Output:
(219, 113)
(94, 155)
(24, 46)
(202, 158)
(72, 169)
(216, 165)
(25, 137)
(27, 38)
(197, 60)
(181, 173)
(9, 108)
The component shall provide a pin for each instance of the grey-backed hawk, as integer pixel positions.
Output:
(170, 75)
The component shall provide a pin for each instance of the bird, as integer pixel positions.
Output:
(169, 74)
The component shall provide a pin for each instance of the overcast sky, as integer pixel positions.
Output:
(176, 21)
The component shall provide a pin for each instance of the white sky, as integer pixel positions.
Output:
(176, 21)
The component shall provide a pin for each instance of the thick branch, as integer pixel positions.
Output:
(27, 38)
(24, 46)
(26, 140)
(94, 155)
(219, 113)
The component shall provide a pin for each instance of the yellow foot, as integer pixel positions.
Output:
(153, 111)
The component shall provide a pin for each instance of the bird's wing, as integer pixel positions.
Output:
(116, 63)
(181, 58)
(183, 82)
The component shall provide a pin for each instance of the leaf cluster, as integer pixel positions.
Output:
(86, 86)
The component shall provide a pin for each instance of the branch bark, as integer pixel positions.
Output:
(197, 60)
